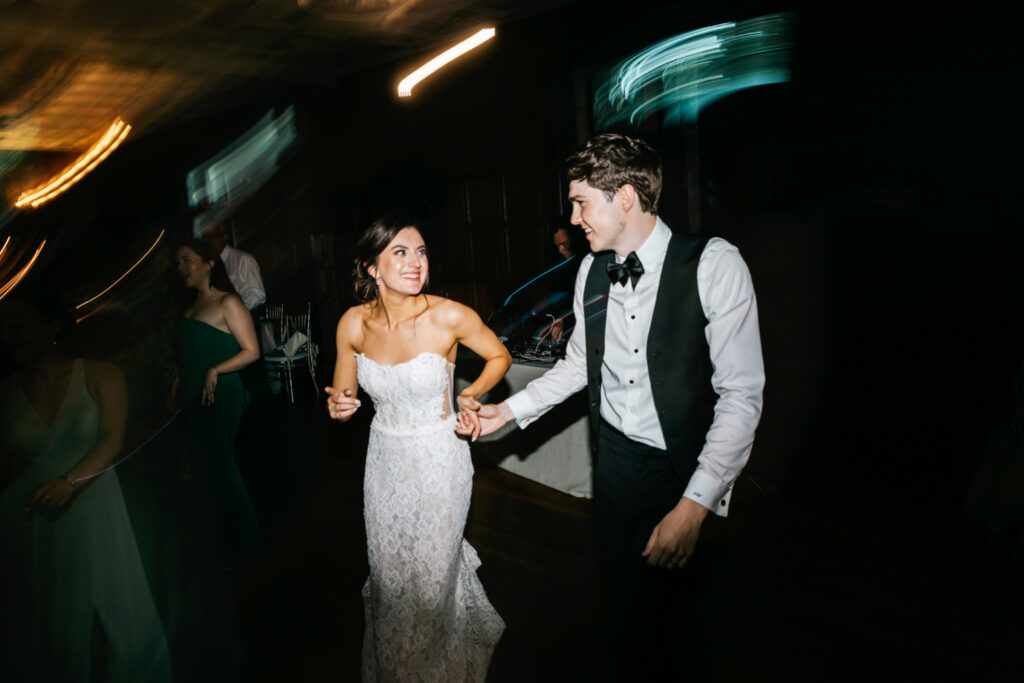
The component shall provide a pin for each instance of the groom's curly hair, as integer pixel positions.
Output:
(610, 160)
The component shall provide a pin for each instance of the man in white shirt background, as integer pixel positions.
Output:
(675, 376)
(243, 270)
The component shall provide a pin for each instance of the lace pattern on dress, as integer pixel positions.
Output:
(427, 615)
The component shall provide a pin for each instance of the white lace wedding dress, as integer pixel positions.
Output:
(427, 616)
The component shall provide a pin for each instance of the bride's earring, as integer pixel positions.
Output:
(378, 282)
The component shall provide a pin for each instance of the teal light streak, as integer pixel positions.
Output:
(549, 270)
(682, 75)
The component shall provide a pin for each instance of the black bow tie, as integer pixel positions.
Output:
(630, 269)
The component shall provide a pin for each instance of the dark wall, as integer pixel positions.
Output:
(874, 199)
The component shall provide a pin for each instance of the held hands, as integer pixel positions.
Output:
(672, 542)
(341, 404)
(493, 417)
(468, 420)
(210, 386)
(480, 420)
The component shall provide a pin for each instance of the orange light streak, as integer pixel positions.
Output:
(92, 312)
(110, 141)
(111, 286)
(13, 282)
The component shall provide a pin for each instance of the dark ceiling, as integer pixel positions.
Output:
(68, 68)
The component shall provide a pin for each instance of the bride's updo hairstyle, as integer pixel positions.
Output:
(374, 240)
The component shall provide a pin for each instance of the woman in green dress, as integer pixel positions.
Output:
(215, 338)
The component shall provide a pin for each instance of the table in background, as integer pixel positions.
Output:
(554, 450)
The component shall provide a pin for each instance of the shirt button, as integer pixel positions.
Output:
(632, 317)
(630, 381)
(636, 350)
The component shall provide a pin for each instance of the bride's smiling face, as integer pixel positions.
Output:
(402, 266)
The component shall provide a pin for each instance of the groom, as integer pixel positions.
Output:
(671, 358)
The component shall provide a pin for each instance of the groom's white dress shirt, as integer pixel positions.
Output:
(734, 341)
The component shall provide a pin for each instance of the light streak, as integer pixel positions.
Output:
(20, 275)
(114, 136)
(111, 286)
(92, 312)
(549, 270)
(4, 248)
(682, 75)
(409, 82)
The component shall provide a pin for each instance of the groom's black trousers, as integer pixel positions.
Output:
(635, 486)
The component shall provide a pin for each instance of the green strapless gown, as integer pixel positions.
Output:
(213, 429)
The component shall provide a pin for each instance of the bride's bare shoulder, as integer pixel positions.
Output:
(447, 311)
(354, 318)
(434, 301)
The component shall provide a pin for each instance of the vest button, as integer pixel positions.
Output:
(597, 352)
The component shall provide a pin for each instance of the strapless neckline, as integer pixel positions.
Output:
(206, 324)
(405, 362)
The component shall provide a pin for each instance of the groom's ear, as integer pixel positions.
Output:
(626, 196)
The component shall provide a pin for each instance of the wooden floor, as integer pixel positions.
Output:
(825, 582)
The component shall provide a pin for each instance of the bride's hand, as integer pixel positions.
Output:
(468, 421)
(340, 404)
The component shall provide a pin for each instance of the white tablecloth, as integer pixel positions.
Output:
(554, 450)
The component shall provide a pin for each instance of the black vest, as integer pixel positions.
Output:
(678, 358)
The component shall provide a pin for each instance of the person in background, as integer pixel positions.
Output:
(564, 242)
(242, 268)
(72, 584)
(214, 339)
(244, 273)
(566, 247)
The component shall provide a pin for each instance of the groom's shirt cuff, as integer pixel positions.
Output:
(713, 494)
(522, 408)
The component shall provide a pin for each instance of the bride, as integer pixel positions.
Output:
(427, 616)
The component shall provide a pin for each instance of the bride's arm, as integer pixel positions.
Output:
(341, 397)
(471, 331)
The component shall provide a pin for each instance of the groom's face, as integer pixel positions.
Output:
(603, 220)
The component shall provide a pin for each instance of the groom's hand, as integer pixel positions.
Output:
(673, 540)
(493, 417)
